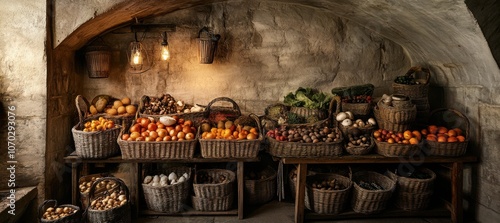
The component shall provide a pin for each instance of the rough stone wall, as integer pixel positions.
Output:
(23, 85)
(266, 51)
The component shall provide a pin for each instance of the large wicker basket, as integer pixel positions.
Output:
(414, 185)
(328, 201)
(422, 75)
(222, 148)
(449, 118)
(296, 149)
(382, 124)
(84, 197)
(218, 190)
(196, 117)
(142, 150)
(120, 214)
(170, 198)
(371, 201)
(73, 218)
(213, 204)
(262, 190)
(96, 145)
(397, 115)
(396, 149)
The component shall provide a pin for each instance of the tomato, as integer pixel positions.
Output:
(135, 128)
(186, 129)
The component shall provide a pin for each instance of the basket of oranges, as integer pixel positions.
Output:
(393, 144)
(446, 135)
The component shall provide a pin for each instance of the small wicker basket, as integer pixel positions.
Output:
(362, 109)
(382, 124)
(213, 204)
(397, 115)
(328, 201)
(422, 75)
(73, 218)
(449, 118)
(414, 185)
(98, 59)
(360, 150)
(120, 214)
(96, 145)
(371, 201)
(169, 198)
(396, 149)
(196, 117)
(204, 190)
(262, 190)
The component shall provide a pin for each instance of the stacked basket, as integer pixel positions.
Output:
(414, 193)
(371, 201)
(168, 198)
(451, 119)
(331, 201)
(418, 93)
(396, 113)
(260, 191)
(214, 196)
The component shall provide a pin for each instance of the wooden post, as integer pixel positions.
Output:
(74, 184)
(241, 188)
(300, 192)
(456, 192)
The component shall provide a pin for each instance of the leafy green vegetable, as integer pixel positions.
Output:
(308, 98)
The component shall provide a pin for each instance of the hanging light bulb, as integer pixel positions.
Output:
(165, 52)
(136, 57)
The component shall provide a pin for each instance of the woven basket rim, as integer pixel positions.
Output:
(75, 130)
(457, 114)
(273, 175)
(378, 175)
(321, 175)
(42, 208)
(232, 176)
(412, 71)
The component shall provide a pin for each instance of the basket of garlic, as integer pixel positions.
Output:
(167, 193)
(53, 213)
(112, 205)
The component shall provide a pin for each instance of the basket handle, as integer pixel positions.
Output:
(42, 207)
(121, 184)
(235, 105)
(82, 106)
(337, 101)
(448, 118)
(257, 119)
(415, 69)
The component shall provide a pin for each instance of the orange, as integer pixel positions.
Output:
(461, 138)
(432, 129)
(452, 132)
(431, 137)
(424, 132)
(458, 131)
(405, 141)
(407, 134)
(441, 139)
(254, 131)
(390, 140)
(417, 135)
(442, 130)
(452, 139)
(414, 141)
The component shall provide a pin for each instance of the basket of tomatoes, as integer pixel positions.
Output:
(165, 137)
(448, 135)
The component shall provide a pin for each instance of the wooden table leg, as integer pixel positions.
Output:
(300, 192)
(74, 183)
(241, 188)
(135, 179)
(456, 192)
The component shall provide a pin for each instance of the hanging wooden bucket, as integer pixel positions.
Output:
(98, 60)
(207, 44)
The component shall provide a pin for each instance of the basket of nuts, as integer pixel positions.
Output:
(53, 213)
(112, 205)
(327, 193)
(85, 183)
(167, 105)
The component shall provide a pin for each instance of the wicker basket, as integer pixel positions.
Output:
(363, 109)
(364, 130)
(214, 190)
(213, 204)
(421, 90)
(306, 112)
(170, 198)
(120, 214)
(413, 201)
(396, 149)
(98, 59)
(360, 150)
(84, 197)
(371, 201)
(218, 113)
(73, 218)
(449, 118)
(328, 201)
(96, 145)
(397, 115)
(414, 185)
(293, 185)
(295, 149)
(222, 148)
(262, 190)
(382, 124)
(142, 150)
(82, 107)
(196, 117)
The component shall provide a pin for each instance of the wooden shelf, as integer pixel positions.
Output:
(191, 212)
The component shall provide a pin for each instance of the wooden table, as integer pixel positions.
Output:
(455, 208)
(76, 172)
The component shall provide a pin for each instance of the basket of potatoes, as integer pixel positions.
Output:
(50, 212)
(86, 182)
(111, 205)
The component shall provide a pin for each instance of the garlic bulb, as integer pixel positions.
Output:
(172, 176)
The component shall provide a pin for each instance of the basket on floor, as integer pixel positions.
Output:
(449, 118)
(120, 214)
(213, 204)
(371, 201)
(421, 75)
(88, 179)
(396, 149)
(325, 201)
(168, 198)
(214, 190)
(74, 217)
(261, 191)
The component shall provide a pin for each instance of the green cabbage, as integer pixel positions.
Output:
(308, 98)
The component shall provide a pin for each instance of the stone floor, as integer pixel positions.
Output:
(281, 212)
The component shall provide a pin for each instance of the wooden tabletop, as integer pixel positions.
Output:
(375, 158)
(73, 158)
